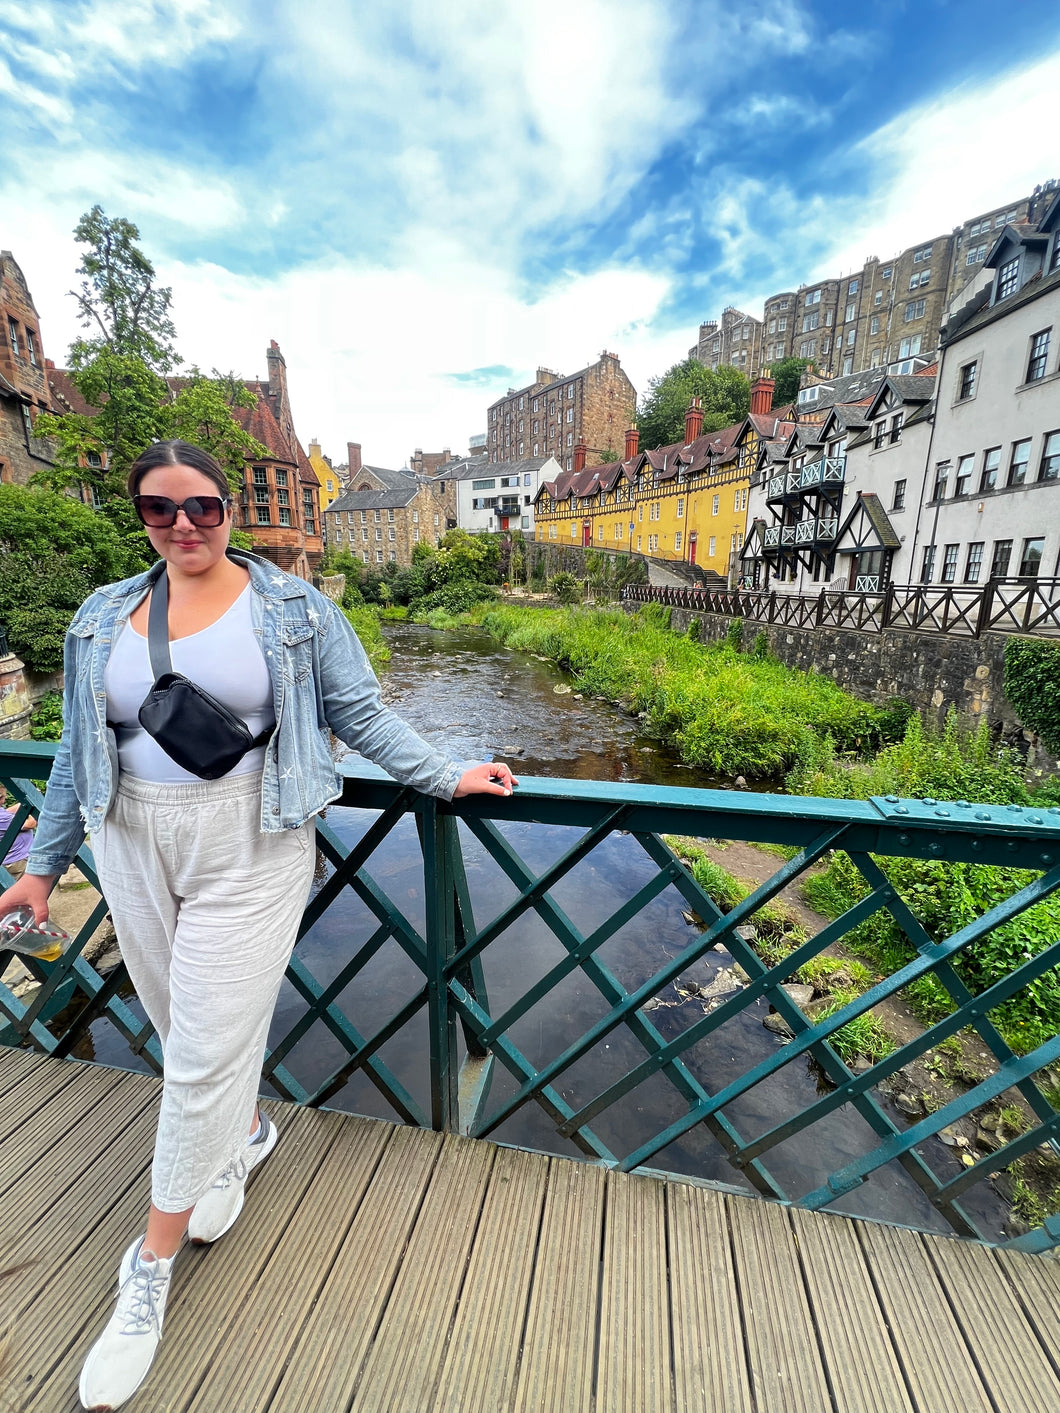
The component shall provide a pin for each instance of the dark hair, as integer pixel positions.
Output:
(176, 454)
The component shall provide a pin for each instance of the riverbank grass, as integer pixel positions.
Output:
(726, 712)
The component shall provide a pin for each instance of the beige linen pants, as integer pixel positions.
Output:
(206, 909)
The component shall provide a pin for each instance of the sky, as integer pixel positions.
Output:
(422, 203)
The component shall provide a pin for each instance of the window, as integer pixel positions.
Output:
(848, 366)
(782, 324)
(526, 478)
(364, 532)
(1039, 356)
(914, 310)
(991, 462)
(377, 516)
(920, 255)
(31, 347)
(281, 477)
(851, 310)
(874, 324)
(813, 298)
(885, 273)
(261, 513)
(877, 298)
(928, 567)
(807, 348)
(391, 534)
(261, 476)
(714, 506)
(12, 333)
(964, 476)
(974, 564)
(680, 507)
(919, 277)
(1000, 561)
(910, 347)
(1008, 278)
(364, 517)
(852, 287)
(887, 435)
(570, 392)
(942, 472)
(677, 537)
(966, 377)
(379, 556)
(975, 254)
(285, 516)
(570, 414)
(712, 547)
(1031, 558)
(378, 532)
(810, 321)
(1021, 455)
(261, 495)
(1049, 470)
(898, 503)
(949, 564)
(850, 337)
(484, 485)
(570, 438)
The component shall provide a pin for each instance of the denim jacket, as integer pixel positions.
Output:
(321, 683)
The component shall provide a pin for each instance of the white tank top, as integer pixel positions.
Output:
(225, 659)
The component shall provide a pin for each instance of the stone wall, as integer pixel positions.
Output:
(931, 670)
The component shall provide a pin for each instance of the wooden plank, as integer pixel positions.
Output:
(939, 1370)
(328, 1354)
(17, 1065)
(786, 1371)
(556, 1367)
(710, 1363)
(1012, 1363)
(247, 1365)
(204, 1318)
(862, 1367)
(634, 1358)
(35, 1092)
(406, 1357)
(1035, 1280)
(479, 1372)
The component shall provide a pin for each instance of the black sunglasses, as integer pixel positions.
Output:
(159, 512)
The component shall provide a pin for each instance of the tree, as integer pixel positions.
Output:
(725, 394)
(120, 368)
(55, 551)
(786, 374)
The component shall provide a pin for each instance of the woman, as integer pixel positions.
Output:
(206, 879)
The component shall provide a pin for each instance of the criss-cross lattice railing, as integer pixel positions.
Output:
(629, 1035)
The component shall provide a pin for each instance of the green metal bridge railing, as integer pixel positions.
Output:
(467, 1038)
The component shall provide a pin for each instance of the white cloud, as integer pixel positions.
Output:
(942, 162)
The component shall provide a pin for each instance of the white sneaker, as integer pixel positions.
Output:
(215, 1212)
(120, 1359)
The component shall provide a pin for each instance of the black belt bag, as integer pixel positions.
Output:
(193, 728)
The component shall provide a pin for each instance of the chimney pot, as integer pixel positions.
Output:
(762, 395)
(632, 442)
(580, 452)
(693, 419)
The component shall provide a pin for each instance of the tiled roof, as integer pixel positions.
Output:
(470, 468)
(65, 394)
(374, 500)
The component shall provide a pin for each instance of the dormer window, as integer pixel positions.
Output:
(1008, 278)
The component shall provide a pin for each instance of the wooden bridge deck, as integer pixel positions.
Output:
(378, 1267)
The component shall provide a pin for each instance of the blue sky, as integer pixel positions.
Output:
(422, 203)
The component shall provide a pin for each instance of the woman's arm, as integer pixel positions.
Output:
(355, 712)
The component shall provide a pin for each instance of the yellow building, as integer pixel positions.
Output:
(686, 502)
(330, 485)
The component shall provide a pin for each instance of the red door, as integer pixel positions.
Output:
(587, 533)
(692, 548)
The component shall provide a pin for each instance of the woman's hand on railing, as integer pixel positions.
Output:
(489, 778)
(29, 891)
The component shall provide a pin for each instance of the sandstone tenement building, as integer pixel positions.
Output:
(885, 315)
(554, 413)
(381, 527)
(24, 387)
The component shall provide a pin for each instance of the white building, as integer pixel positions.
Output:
(990, 506)
(498, 495)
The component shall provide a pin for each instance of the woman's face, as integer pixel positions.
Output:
(187, 547)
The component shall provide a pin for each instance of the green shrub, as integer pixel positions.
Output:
(565, 587)
(1032, 685)
(46, 720)
(365, 623)
(734, 634)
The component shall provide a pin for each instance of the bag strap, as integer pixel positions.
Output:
(158, 627)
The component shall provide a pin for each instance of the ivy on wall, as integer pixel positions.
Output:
(1032, 685)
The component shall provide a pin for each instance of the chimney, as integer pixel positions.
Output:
(632, 441)
(762, 395)
(579, 455)
(353, 457)
(693, 419)
(314, 447)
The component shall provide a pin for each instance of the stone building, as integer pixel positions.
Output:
(551, 415)
(381, 527)
(428, 463)
(737, 342)
(24, 389)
